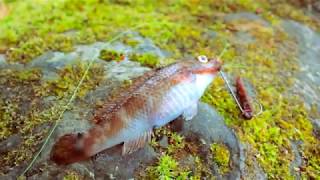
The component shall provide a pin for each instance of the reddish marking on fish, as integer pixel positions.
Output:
(244, 99)
(141, 102)
(65, 147)
(183, 77)
(211, 70)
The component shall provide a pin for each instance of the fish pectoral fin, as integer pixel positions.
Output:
(190, 112)
(135, 144)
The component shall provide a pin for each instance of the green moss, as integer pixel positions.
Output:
(221, 156)
(284, 118)
(69, 78)
(71, 175)
(167, 168)
(109, 55)
(147, 59)
(131, 42)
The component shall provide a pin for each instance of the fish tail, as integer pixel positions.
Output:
(69, 149)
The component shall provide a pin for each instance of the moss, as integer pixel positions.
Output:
(284, 118)
(131, 42)
(109, 55)
(71, 175)
(147, 59)
(221, 156)
(167, 168)
(22, 113)
(70, 76)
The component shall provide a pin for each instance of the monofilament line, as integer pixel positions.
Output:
(226, 80)
(74, 94)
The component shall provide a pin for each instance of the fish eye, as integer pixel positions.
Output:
(203, 58)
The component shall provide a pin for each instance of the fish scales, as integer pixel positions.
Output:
(129, 116)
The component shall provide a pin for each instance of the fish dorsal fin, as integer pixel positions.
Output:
(135, 144)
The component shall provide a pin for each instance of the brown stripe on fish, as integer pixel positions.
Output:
(211, 70)
(115, 101)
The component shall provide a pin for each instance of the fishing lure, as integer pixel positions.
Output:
(244, 100)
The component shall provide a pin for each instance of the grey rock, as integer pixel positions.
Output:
(254, 171)
(122, 167)
(209, 126)
(245, 16)
(298, 161)
(316, 127)
(3, 61)
(244, 38)
(10, 143)
(308, 83)
(164, 142)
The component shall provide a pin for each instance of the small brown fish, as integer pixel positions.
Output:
(152, 100)
(244, 99)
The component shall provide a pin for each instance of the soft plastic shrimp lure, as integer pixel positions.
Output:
(241, 96)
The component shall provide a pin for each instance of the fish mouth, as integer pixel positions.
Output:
(214, 66)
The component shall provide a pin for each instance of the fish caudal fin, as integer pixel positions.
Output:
(68, 149)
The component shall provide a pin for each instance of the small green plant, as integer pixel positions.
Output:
(167, 168)
(176, 142)
(221, 156)
(70, 76)
(111, 55)
(146, 59)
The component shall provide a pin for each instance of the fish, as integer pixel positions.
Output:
(129, 117)
(244, 99)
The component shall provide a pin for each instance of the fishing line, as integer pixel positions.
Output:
(226, 80)
(230, 88)
(74, 93)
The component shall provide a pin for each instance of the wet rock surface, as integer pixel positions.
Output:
(308, 83)
(10, 143)
(209, 126)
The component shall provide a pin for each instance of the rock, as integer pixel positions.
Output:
(111, 165)
(10, 143)
(316, 127)
(316, 6)
(254, 170)
(209, 126)
(308, 83)
(298, 161)
(244, 38)
(245, 16)
(3, 61)
(188, 161)
(164, 142)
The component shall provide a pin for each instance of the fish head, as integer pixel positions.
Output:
(205, 71)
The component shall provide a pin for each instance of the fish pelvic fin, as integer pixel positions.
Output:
(135, 144)
(68, 149)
